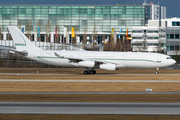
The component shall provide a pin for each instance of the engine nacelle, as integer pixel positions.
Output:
(74, 64)
(88, 64)
(108, 66)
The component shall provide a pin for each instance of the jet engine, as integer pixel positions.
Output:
(88, 64)
(108, 66)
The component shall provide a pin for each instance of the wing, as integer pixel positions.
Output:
(74, 59)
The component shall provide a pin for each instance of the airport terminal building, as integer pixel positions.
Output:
(86, 19)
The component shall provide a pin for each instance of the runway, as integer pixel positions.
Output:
(37, 80)
(90, 108)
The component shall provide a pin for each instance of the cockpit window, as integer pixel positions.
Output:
(168, 58)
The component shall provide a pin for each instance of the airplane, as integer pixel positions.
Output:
(90, 60)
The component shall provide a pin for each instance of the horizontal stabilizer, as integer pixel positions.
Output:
(23, 53)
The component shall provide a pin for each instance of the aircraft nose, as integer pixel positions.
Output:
(173, 61)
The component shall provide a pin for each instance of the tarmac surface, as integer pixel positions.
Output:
(81, 93)
(89, 108)
(78, 74)
(36, 80)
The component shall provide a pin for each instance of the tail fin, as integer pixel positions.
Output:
(21, 42)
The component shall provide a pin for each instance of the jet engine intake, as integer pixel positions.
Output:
(108, 66)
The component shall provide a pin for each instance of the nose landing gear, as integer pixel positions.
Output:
(157, 71)
(89, 71)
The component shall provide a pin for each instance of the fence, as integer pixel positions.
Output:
(45, 45)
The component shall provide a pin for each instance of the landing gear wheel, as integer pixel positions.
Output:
(85, 72)
(91, 72)
(157, 69)
(156, 72)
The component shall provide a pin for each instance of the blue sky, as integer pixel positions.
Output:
(173, 7)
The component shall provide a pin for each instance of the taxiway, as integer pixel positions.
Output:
(89, 108)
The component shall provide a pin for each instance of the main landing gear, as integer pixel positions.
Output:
(157, 71)
(89, 71)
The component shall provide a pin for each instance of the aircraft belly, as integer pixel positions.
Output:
(138, 64)
(159, 65)
(52, 61)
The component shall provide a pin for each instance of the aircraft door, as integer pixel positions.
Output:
(158, 59)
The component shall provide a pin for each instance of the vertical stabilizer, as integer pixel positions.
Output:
(21, 42)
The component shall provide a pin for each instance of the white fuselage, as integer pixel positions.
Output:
(87, 59)
(121, 59)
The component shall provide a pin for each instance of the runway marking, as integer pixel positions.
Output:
(110, 81)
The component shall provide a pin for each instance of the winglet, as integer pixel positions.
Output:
(58, 55)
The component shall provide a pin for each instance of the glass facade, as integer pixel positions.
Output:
(81, 17)
(173, 38)
(176, 23)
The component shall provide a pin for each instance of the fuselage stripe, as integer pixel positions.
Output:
(41, 57)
